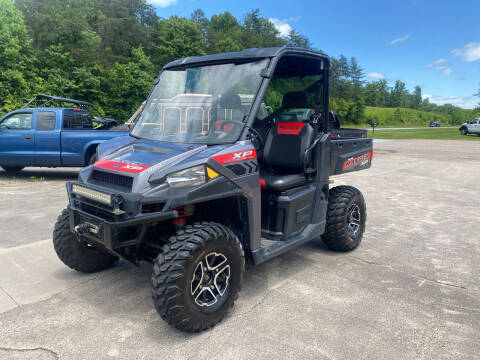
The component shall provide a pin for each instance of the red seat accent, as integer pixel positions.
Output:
(289, 128)
(262, 184)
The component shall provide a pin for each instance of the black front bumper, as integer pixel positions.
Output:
(111, 235)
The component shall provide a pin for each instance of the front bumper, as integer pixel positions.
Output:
(111, 234)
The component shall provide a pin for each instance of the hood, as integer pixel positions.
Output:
(133, 155)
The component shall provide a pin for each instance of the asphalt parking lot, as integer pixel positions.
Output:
(410, 291)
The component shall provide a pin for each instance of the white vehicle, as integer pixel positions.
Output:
(472, 127)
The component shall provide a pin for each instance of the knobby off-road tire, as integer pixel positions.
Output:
(75, 254)
(346, 217)
(12, 169)
(179, 283)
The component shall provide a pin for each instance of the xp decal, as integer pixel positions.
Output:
(236, 156)
(121, 166)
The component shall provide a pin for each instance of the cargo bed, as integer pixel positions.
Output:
(349, 153)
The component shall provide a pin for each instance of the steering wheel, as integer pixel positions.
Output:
(258, 144)
(233, 122)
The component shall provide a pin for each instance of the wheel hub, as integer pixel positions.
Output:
(210, 280)
(353, 220)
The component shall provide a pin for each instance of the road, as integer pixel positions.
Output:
(410, 291)
(415, 128)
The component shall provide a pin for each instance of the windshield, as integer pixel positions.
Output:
(205, 104)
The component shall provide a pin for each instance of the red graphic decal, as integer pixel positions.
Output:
(121, 166)
(358, 160)
(289, 128)
(236, 156)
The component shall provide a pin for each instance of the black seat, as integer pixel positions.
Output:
(285, 152)
(279, 182)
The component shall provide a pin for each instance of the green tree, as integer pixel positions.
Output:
(126, 85)
(417, 97)
(295, 39)
(260, 32)
(175, 38)
(15, 58)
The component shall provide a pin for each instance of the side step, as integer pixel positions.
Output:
(271, 248)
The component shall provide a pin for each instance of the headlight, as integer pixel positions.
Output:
(189, 177)
(92, 194)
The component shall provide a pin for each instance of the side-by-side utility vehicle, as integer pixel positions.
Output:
(219, 169)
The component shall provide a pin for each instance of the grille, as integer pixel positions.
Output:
(124, 182)
(96, 211)
(237, 169)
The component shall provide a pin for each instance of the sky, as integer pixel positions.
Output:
(431, 43)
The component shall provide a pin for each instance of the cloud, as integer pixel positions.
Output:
(468, 102)
(162, 3)
(460, 78)
(469, 52)
(440, 66)
(437, 62)
(401, 39)
(281, 25)
(375, 75)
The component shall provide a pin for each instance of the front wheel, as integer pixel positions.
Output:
(76, 254)
(197, 276)
(346, 217)
(463, 131)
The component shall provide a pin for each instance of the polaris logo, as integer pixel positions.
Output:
(132, 167)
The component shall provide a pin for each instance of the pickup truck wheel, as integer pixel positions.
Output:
(197, 276)
(92, 159)
(76, 254)
(346, 217)
(12, 169)
(463, 131)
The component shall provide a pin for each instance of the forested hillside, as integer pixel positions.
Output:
(108, 52)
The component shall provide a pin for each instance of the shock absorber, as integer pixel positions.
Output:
(180, 220)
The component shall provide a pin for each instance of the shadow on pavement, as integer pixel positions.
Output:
(41, 173)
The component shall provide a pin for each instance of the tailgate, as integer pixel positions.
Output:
(349, 133)
(350, 155)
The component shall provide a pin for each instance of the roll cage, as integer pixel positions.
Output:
(283, 62)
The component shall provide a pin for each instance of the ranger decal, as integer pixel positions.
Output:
(358, 160)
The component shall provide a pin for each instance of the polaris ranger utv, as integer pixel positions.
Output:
(218, 169)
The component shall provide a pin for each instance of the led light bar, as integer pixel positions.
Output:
(92, 194)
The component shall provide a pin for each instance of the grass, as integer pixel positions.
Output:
(402, 117)
(36, 179)
(431, 134)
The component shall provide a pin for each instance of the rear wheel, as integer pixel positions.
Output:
(76, 254)
(197, 276)
(346, 217)
(12, 169)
